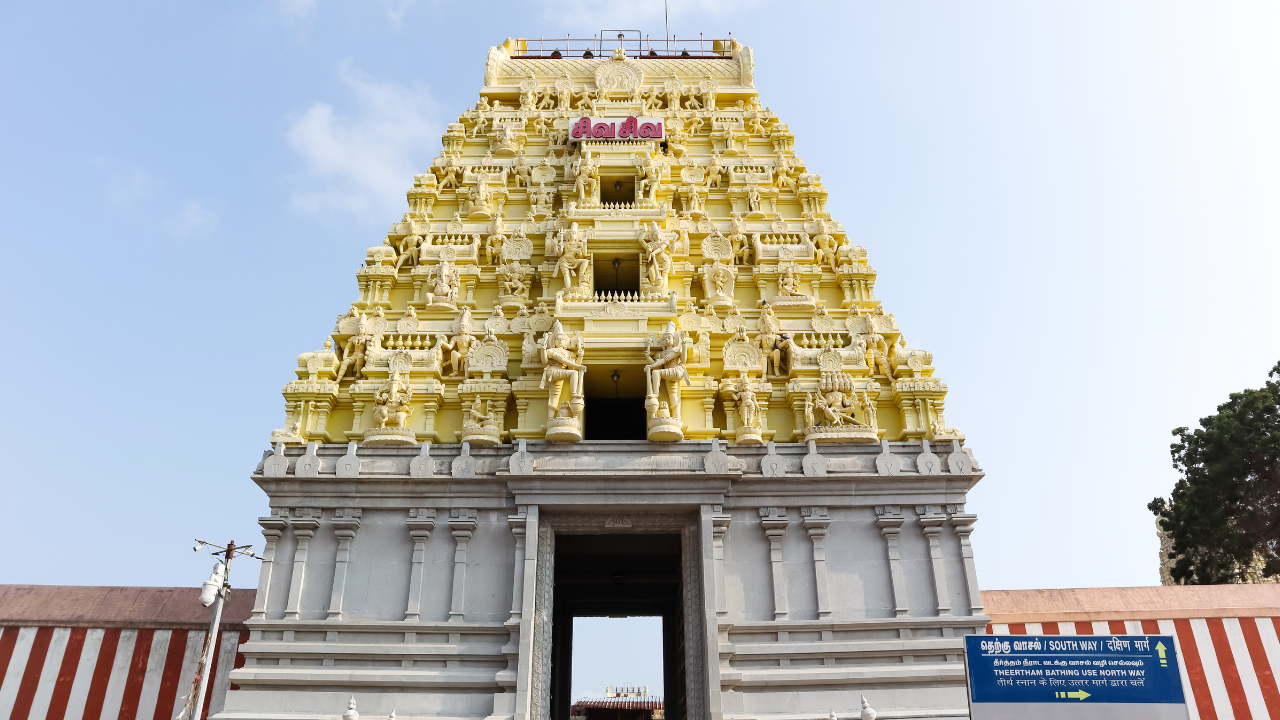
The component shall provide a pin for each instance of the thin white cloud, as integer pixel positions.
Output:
(297, 9)
(125, 187)
(396, 9)
(362, 163)
(194, 219)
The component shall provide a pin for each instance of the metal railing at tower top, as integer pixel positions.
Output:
(632, 43)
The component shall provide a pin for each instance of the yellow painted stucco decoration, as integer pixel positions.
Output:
(698, 272)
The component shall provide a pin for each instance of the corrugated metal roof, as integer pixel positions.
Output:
(126, 607)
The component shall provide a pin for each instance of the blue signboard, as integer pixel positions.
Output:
(1083, 671)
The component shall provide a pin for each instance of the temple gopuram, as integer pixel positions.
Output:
(615, 359)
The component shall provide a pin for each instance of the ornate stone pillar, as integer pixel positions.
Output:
(931, 519)
(816, 522)
(304, 523)
(462, 523)
(273, 528)
(345, 523)
(421, 522)
(774, 522)
(517, 523)
(524, 671)
(963, 525)
(719, 528)
(889, 518)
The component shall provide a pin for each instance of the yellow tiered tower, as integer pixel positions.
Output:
(616, 265)
(620, 246)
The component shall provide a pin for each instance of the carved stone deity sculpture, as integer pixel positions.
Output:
(560, 364)
(353, 353)
(442, 284)
(511, 277)
(459, 346)
(586, 179)
(790, 294)
(773, 344)
(668, 367)
(748, 430)
(572, 262)
(656, 259)
(391, 405)
(481, 425)
(717, 283)
(833, 408)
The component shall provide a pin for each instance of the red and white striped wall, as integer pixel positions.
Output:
(111, 673)
(1229, 664)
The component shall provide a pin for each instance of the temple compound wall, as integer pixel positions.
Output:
(617, 359)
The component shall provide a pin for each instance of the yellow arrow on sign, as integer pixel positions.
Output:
(1160, 650)
(1074, 694)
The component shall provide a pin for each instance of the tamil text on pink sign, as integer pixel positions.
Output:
(631, 128)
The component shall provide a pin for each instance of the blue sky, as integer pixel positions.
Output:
(1074, 205)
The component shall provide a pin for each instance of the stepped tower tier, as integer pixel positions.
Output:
(616, 328)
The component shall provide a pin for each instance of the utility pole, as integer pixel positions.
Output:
(215, 591)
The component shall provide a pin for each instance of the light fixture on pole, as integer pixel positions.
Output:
(214, 590)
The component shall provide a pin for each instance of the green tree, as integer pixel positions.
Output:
(1224, 513)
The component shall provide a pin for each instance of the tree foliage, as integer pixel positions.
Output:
(1224, 512)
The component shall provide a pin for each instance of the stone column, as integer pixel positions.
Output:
(816, 522)
(305, 523)
(421, 522)
(719, 528)
(273, 528)
(345, 523)
(517, 523)
(963, 525)
(462, 523)
(931, 519)
(707, 540)
(774, 522)
(889, 518)
(524, 671)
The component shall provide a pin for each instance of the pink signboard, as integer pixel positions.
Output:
(589, 128)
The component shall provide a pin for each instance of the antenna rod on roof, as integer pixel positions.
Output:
(666, 16)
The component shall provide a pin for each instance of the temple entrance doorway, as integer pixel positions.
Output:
(635, 575)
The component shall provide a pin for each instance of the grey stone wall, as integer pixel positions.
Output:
(813, 575)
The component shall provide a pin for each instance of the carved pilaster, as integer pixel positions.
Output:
(273, 528)
(774, 522)
(963, 525)
(518, 523)
(462, 523)
(719, 528)
(421, 522)
(889, 518)
(345, 523)
(304, 523)
(816, 522)
(931, 519)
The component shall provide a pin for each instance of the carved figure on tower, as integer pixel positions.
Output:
(561, 363)
(459, 346)
(667, 367)
(572, 262)
(656, 258)
(511, 276)
(772, 344)
(835, 403)
(586, 179)
(410, 247)
(353, 353)
(443, 282)
(391, 404)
